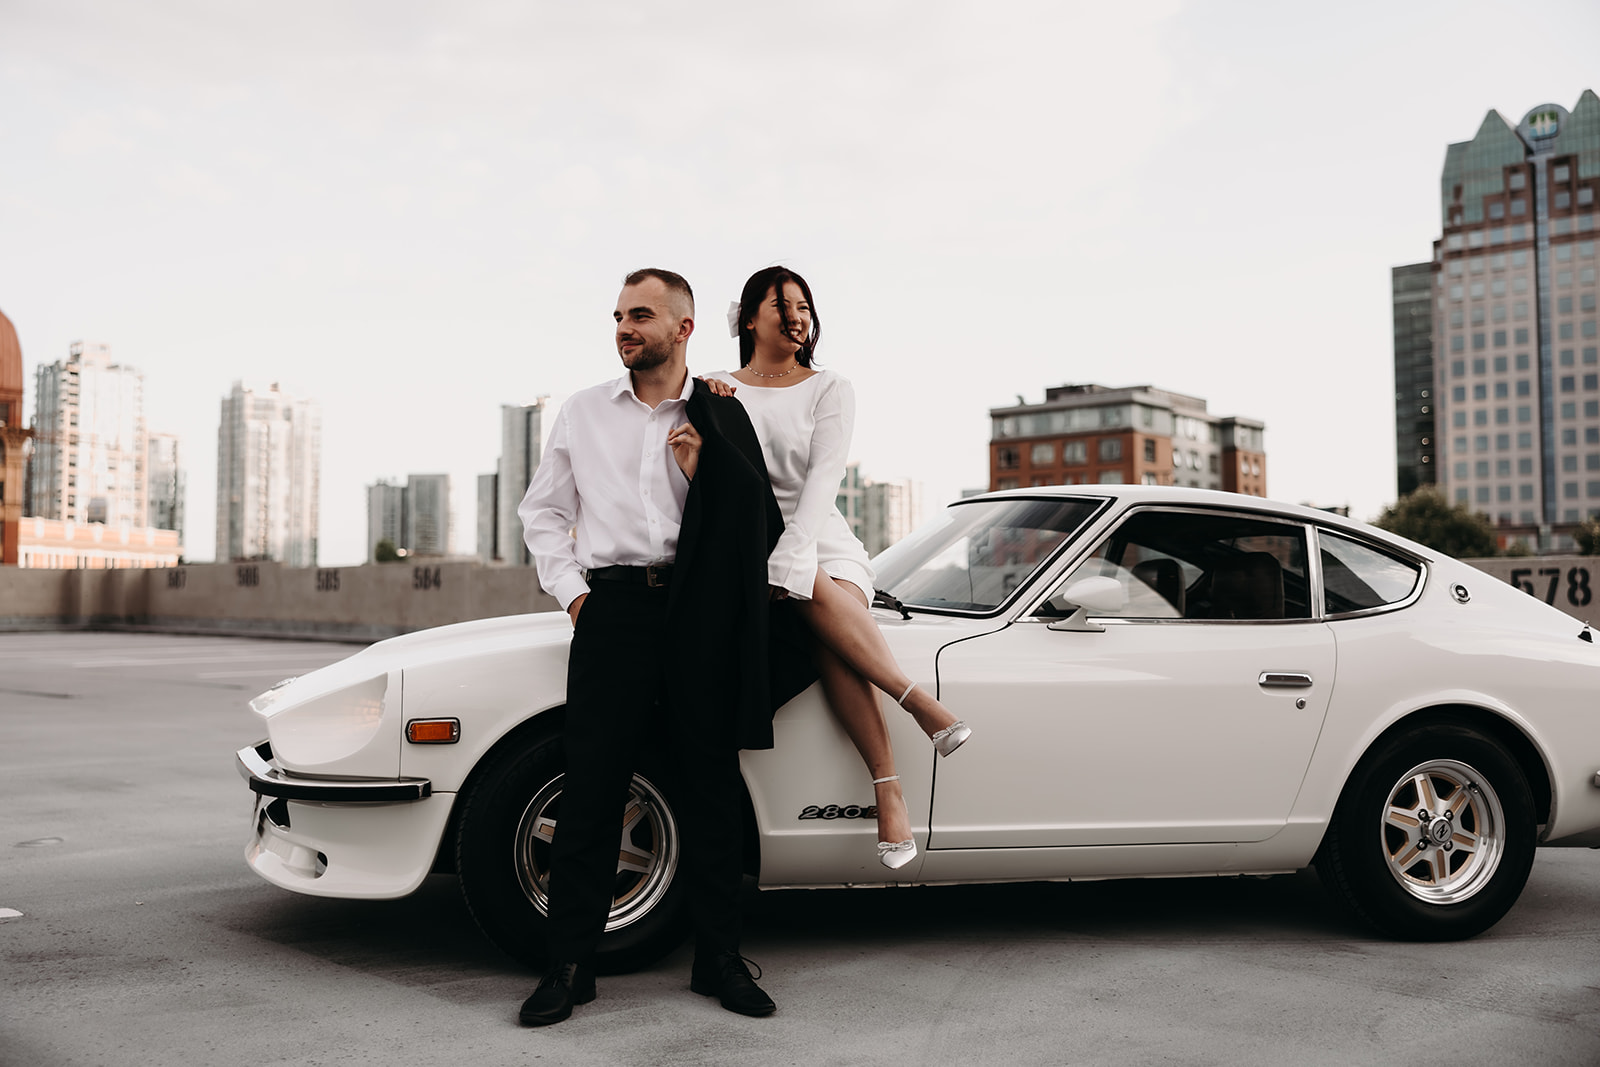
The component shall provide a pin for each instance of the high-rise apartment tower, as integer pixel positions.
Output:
(427, 523)
(269, 459)
(88, 440)
(488, 521)
(164, 483)
(386, 516)
(414, 517)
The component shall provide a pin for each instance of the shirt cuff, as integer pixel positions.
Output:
(797, 575)
(569, 588)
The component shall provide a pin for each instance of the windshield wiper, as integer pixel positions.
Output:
(883, 599)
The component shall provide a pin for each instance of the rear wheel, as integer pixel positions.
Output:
(1434, 835)
(509, 817)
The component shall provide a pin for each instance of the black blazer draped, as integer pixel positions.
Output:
(738, 655)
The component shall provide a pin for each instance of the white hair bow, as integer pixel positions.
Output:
(733, 319)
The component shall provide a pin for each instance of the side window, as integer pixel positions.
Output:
(1176, 564)
(1356, 577)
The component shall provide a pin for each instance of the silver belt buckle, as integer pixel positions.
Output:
(652, 577)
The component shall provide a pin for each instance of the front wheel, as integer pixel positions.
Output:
(1433, 837)
(508, 820)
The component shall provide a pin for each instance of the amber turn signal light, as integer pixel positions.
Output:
(433, 731)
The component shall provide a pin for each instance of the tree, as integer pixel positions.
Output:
(385, 552)
(1587, 534)
(1427, 517)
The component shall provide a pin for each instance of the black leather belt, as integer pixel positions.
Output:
(655, 575)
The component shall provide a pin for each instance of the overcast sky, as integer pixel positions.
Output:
(415, 213)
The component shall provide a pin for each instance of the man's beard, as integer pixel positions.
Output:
(650, 355)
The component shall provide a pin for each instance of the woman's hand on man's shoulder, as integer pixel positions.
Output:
(717, 386)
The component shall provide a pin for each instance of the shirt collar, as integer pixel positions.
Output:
(624, 384)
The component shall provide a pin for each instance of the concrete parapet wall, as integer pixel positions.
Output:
(364, 603)
(372, 602)
(1571, 583)
(35, 600)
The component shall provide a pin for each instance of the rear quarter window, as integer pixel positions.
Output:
(1359, 577)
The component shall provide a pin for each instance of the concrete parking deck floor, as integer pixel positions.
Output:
(143, 938)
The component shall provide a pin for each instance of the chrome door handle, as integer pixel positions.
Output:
(1284, 680)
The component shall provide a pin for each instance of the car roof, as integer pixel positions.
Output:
(1130, 495)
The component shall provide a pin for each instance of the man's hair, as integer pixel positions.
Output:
(675, 283)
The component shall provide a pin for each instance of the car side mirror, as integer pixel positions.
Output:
(1098, 595)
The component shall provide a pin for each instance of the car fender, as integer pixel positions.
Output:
(490, 679)
(1381, 659)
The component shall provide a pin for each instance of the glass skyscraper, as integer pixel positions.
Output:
(1516, 364)
(523, 430)
(1413, 377)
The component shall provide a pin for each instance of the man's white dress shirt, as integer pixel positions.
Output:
(607, 491)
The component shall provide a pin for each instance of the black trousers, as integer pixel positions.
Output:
(620, 705)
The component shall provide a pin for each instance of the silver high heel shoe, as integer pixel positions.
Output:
(895, 854)
(950, 738)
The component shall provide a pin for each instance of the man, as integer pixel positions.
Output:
(616, 474)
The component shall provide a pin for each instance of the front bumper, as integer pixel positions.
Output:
(351, 838)
(254, 764)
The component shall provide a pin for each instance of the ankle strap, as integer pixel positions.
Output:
(891, 778)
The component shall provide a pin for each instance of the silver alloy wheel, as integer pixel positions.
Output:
(647, 856)
(1442, 831)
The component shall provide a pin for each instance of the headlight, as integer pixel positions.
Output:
(261, 703)
(340, 731)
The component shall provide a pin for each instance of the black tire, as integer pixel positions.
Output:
(503, 851)
(1452, 874)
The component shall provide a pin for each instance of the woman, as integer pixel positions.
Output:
(804, 418)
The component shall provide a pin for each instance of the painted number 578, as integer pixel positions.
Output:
(1549, 578)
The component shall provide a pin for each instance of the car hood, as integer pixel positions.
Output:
(480, 635)
(415, 650)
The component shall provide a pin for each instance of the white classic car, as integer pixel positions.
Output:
(1160, 682)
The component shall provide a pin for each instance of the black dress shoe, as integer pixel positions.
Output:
(726, 977)
(562, 986)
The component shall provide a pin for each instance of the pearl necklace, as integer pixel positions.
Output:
(785, 374)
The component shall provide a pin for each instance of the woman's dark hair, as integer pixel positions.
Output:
(765, 281)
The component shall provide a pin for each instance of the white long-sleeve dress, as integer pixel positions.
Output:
(805, 433)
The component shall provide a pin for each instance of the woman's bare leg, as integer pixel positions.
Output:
(837, 615)
(854, 703)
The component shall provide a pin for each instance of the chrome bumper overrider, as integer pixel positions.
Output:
(254, 763)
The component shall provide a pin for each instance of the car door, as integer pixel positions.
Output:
(1187, 714)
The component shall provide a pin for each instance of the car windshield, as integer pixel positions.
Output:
(977, 553)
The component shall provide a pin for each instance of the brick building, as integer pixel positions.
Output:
(1092, 434)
